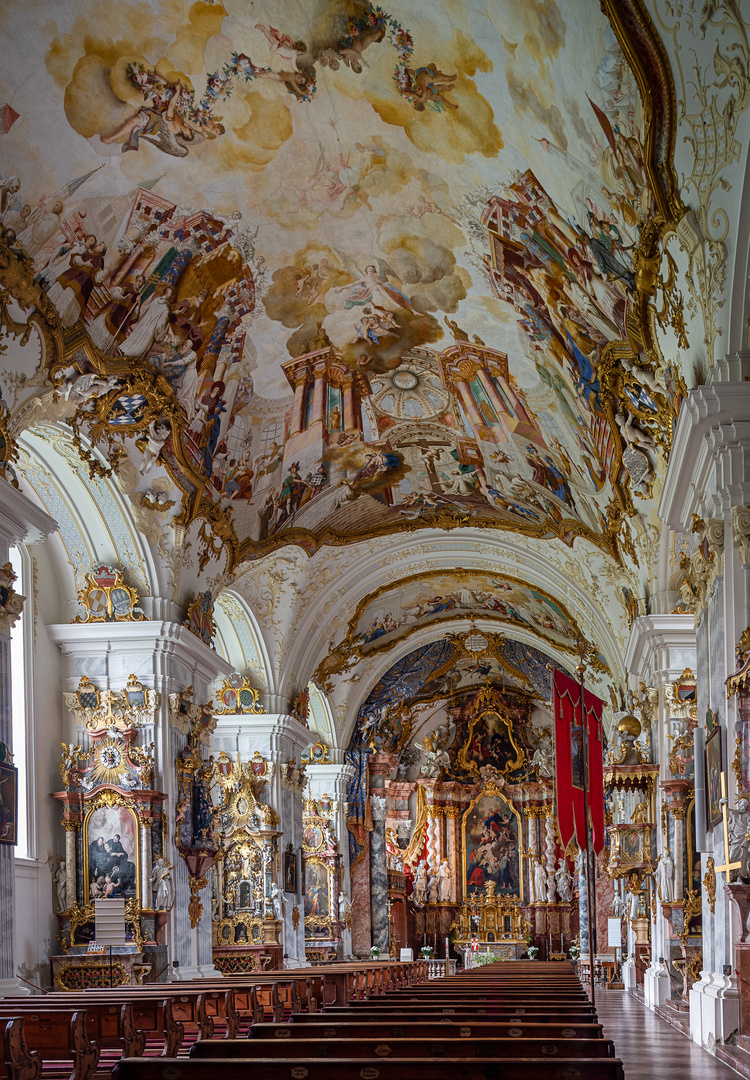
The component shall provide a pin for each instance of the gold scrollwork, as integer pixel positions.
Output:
(106, 598)
(237, 695)
(709, 883)
(488, 705)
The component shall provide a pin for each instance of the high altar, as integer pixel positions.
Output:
(480, 866)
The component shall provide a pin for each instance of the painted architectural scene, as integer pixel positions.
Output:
(321, 384)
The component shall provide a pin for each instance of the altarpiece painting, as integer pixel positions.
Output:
(492, 845)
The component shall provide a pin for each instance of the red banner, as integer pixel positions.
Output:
(569, 753)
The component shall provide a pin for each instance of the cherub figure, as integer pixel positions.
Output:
(424, 86)
(287, 48)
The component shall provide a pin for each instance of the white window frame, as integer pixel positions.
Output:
(25, 757)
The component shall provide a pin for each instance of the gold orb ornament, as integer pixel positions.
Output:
(629, 725)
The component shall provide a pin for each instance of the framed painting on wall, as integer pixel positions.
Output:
(713, 778)
(8, 798)
(492, 845)
(111, 852)
(290, 871)
(317, 898)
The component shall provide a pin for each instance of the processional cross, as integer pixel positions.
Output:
(727, 867)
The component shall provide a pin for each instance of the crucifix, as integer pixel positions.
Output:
(727, 867)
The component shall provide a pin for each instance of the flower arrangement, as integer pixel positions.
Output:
(575, 952)
(533, 952)
(375, 952)
(426, 952)
(483, 959)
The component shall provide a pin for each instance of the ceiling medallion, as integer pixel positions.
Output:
(404, 380)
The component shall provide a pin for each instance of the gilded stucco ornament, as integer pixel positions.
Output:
(133, 706)
(237, 696)
(106, 598)
(11, 602)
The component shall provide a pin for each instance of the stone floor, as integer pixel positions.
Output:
(650, 1048)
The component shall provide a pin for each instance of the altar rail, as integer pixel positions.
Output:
(437, 969)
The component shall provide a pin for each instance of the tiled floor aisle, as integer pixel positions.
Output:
(650, 1048)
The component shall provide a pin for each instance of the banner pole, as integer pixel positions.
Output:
(580, 669)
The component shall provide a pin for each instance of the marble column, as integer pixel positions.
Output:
(583, 906)
(298, 409)
(147, 892)
(20, 520)
(70, 862)
(379, 873)
(549, 849)
(333, 780)
(350, 412)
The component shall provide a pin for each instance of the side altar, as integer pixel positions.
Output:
(115, 831)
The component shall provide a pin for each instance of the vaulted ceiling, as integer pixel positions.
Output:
(318, 274)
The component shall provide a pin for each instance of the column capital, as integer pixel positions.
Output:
(20, 518)
(709, 467)
(280, 732)
(379, 807)
(117, 646)
(663, 644)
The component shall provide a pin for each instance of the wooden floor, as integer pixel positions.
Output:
(650, 1048)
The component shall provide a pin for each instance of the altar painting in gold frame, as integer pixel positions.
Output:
(318, 893)
(492, 845)
(111, 850)
(490, 741)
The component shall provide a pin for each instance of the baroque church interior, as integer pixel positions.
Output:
(375, 393)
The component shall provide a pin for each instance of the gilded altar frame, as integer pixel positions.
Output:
(109, 799)
(490, 710)
(320, 925)
(491, 790)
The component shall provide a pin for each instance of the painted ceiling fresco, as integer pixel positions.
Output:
(337, 270)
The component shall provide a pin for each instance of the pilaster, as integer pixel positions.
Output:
(281, 739)
(168, 658)
(20, 520)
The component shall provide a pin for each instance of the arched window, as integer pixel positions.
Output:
(21, 652)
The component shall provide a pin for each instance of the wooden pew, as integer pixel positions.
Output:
(374, 1048)
(130, 1028)
(19, 1063)
(408, 1028)
(479, 1068)
(59, 1038)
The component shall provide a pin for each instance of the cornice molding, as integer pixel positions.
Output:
(709, 467)
(654, 637)
(21, 519)
(168, 641)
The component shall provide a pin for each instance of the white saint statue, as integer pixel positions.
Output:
(432, 889)
(277, 898)
(61, 886)
(444, 882)
(345, 908)
(739, 836)
(161, 876)
(421, 884)
(617, 906)
(665, 876)
(564, 881)
(540, 882)
(635, 902)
